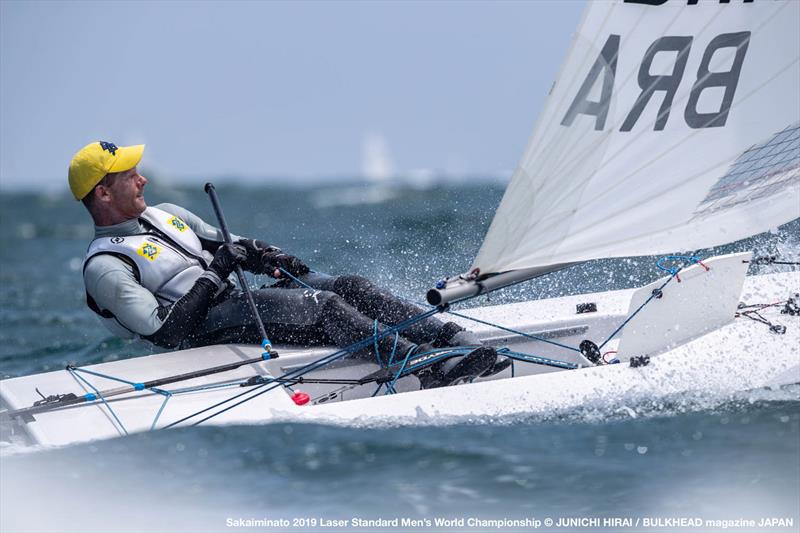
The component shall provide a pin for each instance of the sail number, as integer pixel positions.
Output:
(605, 67)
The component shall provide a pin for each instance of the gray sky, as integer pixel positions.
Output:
(272, 90)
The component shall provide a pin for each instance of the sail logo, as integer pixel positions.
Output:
(177, 223)
(149, 251)
(679, 47)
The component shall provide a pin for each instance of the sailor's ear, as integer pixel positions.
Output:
(102, 193)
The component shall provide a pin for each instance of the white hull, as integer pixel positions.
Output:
(697, 347)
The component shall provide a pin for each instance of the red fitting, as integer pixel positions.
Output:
(300, 398)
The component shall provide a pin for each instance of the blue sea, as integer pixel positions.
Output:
(654, 466)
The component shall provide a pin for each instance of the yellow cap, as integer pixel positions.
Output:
(95, 160)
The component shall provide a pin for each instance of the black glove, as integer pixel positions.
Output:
(277, 259)
(226, 259)
(255, 251)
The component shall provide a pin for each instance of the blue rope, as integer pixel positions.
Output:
(304, 284)
(674, 271)
(394, 348)
(140, 386)
(536, 359)
(418, 304)
(264, 388)
(135, 385)
(516, 332)
(518, 356)
(394, 330)
(166, 393)
(494, 325)
(375, 343)
(390, 386)
(167, 396)
(446, 353)
(625, 322)
(100, 396)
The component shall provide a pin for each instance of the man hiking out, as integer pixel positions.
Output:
(161, 274)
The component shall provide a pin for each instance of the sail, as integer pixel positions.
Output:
(673, 125)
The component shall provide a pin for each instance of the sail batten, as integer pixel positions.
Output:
(638, 149)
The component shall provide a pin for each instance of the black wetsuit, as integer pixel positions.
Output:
(339, 310)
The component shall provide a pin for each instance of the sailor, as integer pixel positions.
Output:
(161, 274)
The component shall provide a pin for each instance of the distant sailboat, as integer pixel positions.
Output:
(377, 170)
(377, 165)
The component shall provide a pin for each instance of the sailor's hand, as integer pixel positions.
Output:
(255, 262)
(278, 261)
(226, 259)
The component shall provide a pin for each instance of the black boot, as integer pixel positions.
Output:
(501, 364)
(458, 369)
(452, 335)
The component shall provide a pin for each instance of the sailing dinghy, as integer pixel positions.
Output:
(672, 126)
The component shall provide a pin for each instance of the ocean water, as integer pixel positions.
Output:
(679, 459)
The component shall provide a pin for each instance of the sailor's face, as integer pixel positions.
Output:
(127, 193)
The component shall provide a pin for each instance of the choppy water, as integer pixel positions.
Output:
(689, 457)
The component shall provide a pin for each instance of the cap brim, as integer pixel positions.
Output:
(127, 158)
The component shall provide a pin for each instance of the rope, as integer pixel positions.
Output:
(303, 370)
(753, 313)
(135, 385)
(390, 386)
(73, 372)
(167, 396)
(298, 280)
(140, 386)
(451, 312)
(657, 293)
(771, 260)
(288, 377)
(375, 343)
(511, 330)
(536, 359)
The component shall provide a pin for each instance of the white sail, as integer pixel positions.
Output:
(672, 126)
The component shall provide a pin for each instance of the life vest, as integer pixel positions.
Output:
(166, 260)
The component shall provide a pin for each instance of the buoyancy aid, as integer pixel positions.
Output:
(166, 259)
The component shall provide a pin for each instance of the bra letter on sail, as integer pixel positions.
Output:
(679, 46)
(707, 79)
(668, 83)
(606, 65)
